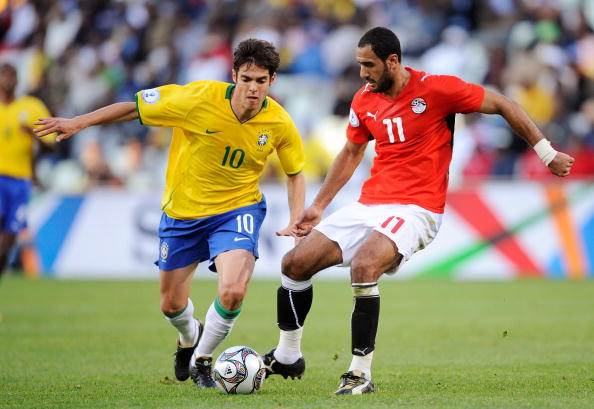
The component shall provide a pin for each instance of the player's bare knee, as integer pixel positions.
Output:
(364, 270)
(291, 268)
(231, 297)
(170, 306)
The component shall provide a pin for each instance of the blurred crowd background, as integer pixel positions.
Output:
(80, 55)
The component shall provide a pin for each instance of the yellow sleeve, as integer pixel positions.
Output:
(36, 109)
(290, 149)
(163, 106)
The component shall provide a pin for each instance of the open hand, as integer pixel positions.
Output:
(292, 231)
(64, 127)
(307, 220)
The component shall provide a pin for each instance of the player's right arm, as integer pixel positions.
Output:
(66, 127)
(340, 172)
(343, 167)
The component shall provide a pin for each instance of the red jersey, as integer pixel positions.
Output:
(413, 135)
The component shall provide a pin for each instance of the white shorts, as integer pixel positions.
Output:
(410, 227)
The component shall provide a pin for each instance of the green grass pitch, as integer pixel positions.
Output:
(441, 344)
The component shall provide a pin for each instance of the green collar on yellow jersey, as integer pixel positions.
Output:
(229, 92)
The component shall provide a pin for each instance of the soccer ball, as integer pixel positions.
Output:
(239, 369)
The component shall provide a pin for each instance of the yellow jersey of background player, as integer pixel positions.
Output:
(17, 118)
(16, 124)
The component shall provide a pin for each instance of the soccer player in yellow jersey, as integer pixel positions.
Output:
(17, 116)
(212, 205)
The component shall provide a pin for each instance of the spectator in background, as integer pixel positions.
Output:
(538, 53)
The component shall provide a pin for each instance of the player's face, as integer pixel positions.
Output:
(373, 70)
(8, 79)
(251, 85)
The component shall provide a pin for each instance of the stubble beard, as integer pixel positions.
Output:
(384, 83)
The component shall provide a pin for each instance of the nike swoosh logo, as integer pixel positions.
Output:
(240, 238)
(209, 132)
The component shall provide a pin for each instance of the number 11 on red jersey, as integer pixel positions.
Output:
(398, 121)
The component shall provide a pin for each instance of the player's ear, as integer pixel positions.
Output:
(392, 61)
(234, 76)
(272, 78)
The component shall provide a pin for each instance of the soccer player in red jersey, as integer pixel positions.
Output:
(410, 115)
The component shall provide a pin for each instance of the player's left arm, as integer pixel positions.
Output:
(292, 158)
(296, 199)
(559, 163)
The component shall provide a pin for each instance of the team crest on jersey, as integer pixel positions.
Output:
(151, 96)
(353, 119)
(418, 105)
(164, 251)
(263, 138)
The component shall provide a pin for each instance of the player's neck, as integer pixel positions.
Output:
(242, 114)
(400, 82)
(6, 97)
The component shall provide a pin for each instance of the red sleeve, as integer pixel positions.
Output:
(456, 95)
(357, 132)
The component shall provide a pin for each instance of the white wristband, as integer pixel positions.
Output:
(545, 151)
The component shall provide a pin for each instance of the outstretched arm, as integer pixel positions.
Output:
(559, 163)
(342, 169)
(66, 127)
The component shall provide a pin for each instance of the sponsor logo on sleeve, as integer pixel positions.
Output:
(151, 96)
(353, 119)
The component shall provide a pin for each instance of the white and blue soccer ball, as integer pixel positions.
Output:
(239, 369)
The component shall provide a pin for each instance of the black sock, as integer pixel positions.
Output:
(292, 307)
(364, 322)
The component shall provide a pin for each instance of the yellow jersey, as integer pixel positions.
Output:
(16, 139)
(215, 161)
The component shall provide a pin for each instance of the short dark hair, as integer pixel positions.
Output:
(257, 52)
(383, 42)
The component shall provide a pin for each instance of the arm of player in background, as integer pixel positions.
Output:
(520, 122)
(66, 127)
(342, 169)
(296, 199)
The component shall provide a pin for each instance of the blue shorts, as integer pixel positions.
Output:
(14, 195)
(183, 242)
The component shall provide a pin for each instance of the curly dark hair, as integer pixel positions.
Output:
(257, 52)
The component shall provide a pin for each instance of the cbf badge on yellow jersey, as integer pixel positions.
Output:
(216, 161)
(263, 139)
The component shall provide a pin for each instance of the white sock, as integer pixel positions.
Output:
(289, 346)
(362, 363)
(216, 328)
(186, 325)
